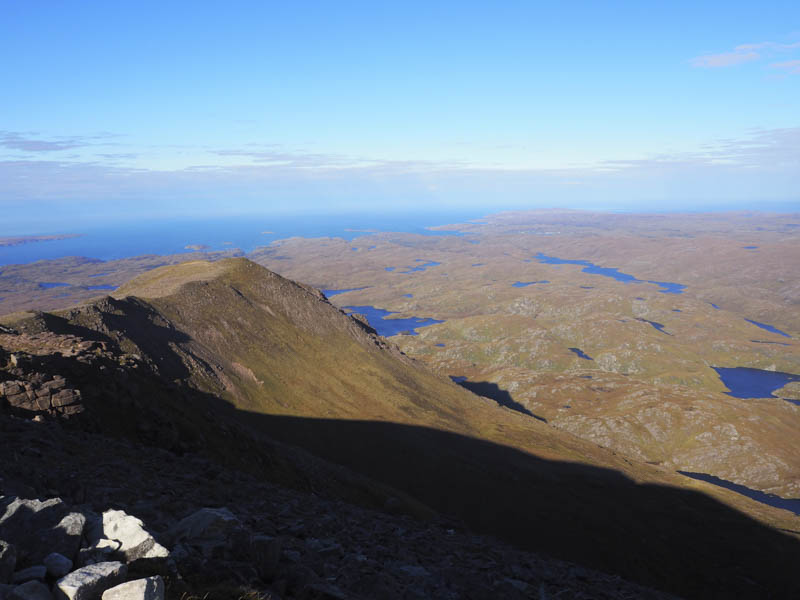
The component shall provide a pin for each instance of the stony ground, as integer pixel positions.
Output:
(326, 549)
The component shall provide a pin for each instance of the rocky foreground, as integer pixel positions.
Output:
(83, 513)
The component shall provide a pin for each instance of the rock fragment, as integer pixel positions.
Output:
(149, 588)
(89, 583)
(8, 561)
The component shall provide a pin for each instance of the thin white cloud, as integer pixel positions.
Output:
(790, 66)
(724, 59)
(15, 141)
(742, 53)
(774, 152)
(766, 150)
(31, 141)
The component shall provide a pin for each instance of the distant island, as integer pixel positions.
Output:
(28, 239)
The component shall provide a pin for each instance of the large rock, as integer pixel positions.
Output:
(89, 583)
(149, 588)
(33, 590)
(134, 541)
(8, 561)
(38, 528)
(65, 537)
(208, 529)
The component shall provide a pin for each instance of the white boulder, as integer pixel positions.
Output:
(149, 588)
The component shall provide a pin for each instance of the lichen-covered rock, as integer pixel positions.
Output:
(89, 583)
(149, 588)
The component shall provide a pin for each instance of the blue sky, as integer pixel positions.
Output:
(120, 109)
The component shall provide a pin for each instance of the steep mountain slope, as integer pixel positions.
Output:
(239, 343)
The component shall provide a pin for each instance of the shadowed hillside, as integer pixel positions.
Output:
(229, 356)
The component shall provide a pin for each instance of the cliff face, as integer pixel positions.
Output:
(261, 374)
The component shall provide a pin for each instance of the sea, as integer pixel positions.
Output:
(172, 236)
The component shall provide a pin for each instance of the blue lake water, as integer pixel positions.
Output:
(421, 267)
(580, 353)
(102, 287)
(750, 247)
(49, 286)
(110, 241)
(385, 326)
(439, 345)
(791, 504)
(408, 295)
(520, 284)
(390, 269)
(676, 310)
(591, 268)
(478, 264)
(745, 382)
(768, 328)
(331, 293)
(714, 306)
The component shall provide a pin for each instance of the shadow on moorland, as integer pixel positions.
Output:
(668, 538)
(494, 392)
